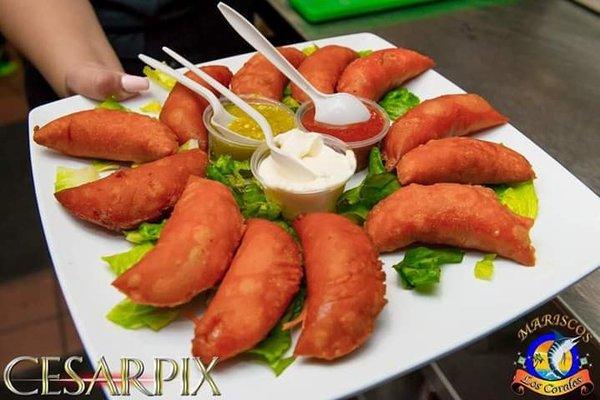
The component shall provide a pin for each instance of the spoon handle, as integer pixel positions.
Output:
(235, 99)
(184, 80)
(247, 31)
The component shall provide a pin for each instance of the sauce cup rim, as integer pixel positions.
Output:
(387, 123)
(262, 152)
(207, 114)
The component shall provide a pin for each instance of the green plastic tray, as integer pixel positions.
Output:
(326, 10)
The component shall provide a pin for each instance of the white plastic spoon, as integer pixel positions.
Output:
(221, 118)
(333, 109)
(289, 163)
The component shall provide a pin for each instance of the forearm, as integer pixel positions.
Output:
(57, 35)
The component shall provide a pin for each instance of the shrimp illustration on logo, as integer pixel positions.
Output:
(552, 366)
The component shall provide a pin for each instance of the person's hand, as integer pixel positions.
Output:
(99, 82)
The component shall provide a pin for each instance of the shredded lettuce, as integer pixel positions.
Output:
(376, 166)
(398, 101)
(135, 316)
(287, 227)
(230, 172)
(152, 107)
(520, 198)
(291, 103)
(364, 53)
(357, 202)
(245, 188)
(121, 262)
(484, 268)
(111, 103)
(146, 232)
(67, 178)
(421, 265)
(128, 314)
(144, 238)
(274, 347)
(288, 100)
(189, 145)
(103, 166)
(160, 78)
(308, 50)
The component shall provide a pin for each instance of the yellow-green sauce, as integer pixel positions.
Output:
(279, 119)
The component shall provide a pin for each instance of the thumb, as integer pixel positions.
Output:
(99, 83)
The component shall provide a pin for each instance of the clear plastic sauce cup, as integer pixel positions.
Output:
(238, 149)
(294, 202)
(361, 148)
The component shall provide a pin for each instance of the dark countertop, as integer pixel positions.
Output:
(537, 61)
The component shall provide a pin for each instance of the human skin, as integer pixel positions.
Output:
(444, 116)
(109, 135)
(263, 278)
(345, 286)
(374, 75)
(131, 196)
(463, 160)
(259, 77)
(66, 43)
(466, 216)
(183, 109)
(194, 249)
(323, 69)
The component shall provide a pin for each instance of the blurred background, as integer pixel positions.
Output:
(538, 61)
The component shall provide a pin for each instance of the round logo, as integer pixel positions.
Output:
(552, 356)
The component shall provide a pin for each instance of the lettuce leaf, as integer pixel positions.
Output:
(135, 316)
(121, 262)
(144, 238)
(146, 232)
(484, 268)
(274, 347)
(398, 101)
(256, 205)
(364, 53)
(151, 107)
(421, 265)
(229, 172)
(288, 228)
(189, 145)
(291, 103)
(288, 100)
(308, 50)
(128, 314)
(111, 103)
(67, 178)
(245, 188)
(357, 202)
(160, 78)
(375, 166)
(103, 165)
(520, 198)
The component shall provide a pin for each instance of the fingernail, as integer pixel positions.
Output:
(134, 84)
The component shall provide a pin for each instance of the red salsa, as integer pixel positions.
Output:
(347, 133)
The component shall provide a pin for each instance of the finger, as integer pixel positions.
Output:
(99, 83)
(132, 84)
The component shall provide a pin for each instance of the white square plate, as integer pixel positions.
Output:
(412, 330)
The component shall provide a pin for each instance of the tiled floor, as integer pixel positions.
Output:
(35, 319)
